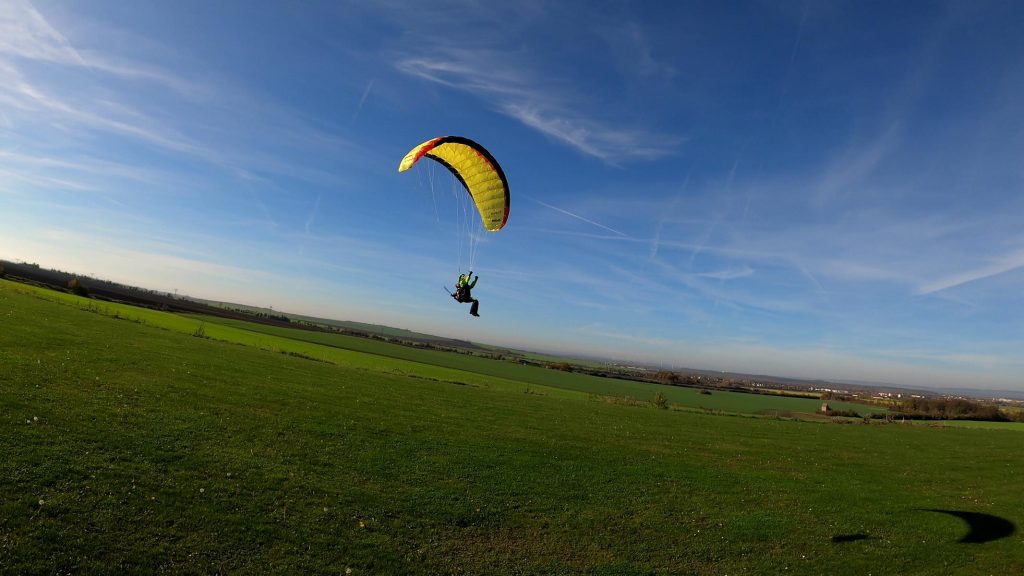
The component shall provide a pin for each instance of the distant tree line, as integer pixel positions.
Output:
(829, 395)
(674, 379)
(719, 383)
(266, 315)
(951, 409)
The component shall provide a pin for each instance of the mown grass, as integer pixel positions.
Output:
(132, 449)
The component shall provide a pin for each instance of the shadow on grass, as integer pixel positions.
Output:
(841, 538)
(982, 527)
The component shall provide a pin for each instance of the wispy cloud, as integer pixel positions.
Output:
(729, 273)
(1000, 265)
(509, 89)
(109, 117)
(83, 172)
(848, 270)
(45, 181)
(632, 48)
(857, 164)
(25, 33)
(95, 92)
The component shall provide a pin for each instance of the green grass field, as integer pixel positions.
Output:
(384, 356)
(1012, 426)
(687, 397)
(131, 446)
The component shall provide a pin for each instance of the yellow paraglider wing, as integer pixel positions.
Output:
(475, 168)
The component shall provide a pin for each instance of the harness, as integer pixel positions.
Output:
(462, 294)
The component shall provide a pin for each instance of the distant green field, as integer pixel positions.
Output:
(689, 397)
(238, 333)
(361, 326)
(133, 448)
(1015, 426)
(376, 354)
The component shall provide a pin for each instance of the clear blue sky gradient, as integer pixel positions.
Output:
(812, 189)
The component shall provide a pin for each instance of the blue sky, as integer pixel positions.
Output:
(813, 189)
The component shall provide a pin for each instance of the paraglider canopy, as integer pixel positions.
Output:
(475, 168)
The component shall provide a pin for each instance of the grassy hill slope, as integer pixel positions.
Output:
(130, 448)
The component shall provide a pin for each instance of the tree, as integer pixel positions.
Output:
(666, 377)
(78, 288)
(660, 401)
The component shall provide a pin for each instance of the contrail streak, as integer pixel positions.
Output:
(718, 219)
(362, 100)
(578, 217)
(312, 214)
(656, 242)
